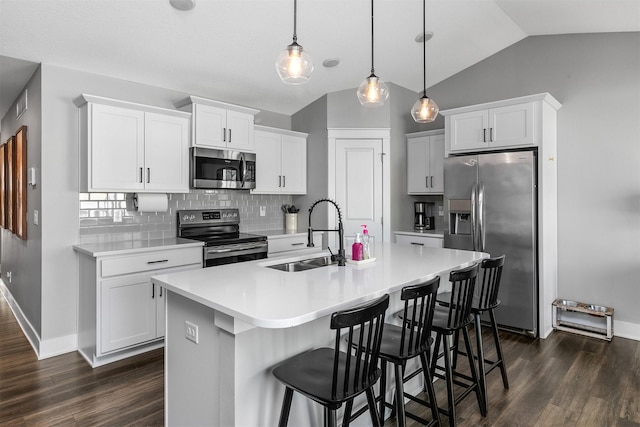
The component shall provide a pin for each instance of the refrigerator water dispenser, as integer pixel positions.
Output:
(460, 217)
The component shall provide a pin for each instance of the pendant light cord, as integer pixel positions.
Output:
(424, 46)
(372, 70)
(295, 17)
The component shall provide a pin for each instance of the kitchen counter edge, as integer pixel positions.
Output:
(134, 246)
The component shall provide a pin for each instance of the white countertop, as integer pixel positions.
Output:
(134, 246)
(270, 298)
(424, 233)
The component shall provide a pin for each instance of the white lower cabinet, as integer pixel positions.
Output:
(128, 312)
(286, 243)
(430, 241)
(121, 312)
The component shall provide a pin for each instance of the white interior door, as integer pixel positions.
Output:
(358, 186)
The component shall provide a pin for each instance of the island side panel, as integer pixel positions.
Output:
(226, 378)
(192, 381)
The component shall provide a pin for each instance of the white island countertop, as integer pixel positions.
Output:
(270, 298)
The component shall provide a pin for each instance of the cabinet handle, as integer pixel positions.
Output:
(224, 134)
(284, 180)
(426, 181)
(297, 244)
(484, 134)
(431, 181)
(229, 135)
(153, 290)
(148, 175)
(417, 244)
(140, 175)
(491, 134)
(158, 261)
(279, 181)
(160, 291)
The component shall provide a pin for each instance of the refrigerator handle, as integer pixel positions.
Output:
(474, 222)
(481, 234)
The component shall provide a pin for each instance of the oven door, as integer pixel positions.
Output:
(211, 168)
(235, 252)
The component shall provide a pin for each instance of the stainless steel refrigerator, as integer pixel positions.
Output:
(491, 206)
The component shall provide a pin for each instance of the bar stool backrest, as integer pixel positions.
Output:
(491, 275)
(463, 282)
(360, 370)
(419, 302)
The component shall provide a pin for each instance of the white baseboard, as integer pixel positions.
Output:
(58, 346)
(43, 348)
(626, 330)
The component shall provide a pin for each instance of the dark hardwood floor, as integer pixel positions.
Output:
(565, 380)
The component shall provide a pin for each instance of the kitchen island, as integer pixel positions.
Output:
(227, 326)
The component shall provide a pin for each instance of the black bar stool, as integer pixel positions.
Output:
(332, 377)
(402, 343)
(485, 300)
(446, 322)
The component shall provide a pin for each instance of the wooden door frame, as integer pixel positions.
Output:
(383, 134)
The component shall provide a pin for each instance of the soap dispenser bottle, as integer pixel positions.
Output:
(357, 249)
(366, 244)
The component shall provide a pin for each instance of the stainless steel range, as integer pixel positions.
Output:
(219, 229)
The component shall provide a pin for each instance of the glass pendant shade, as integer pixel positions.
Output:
(372, 92)
(425, 110)
(294, 65)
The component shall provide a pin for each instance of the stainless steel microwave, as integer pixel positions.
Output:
(210, 168)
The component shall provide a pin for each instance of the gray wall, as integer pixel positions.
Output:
(313, 120)
(23, 257)
(596, 77)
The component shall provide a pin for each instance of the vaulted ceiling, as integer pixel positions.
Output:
(225, 49)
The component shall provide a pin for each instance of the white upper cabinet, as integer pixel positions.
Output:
(281, 161)
(502, 124)
(166, 153)
(219, 125)
(425, 162)
(127, 147)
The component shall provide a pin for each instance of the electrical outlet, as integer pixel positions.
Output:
(35, 217)
(440, 210)
(191, 331)
(117, 215)
(263, 210)
(9, 276)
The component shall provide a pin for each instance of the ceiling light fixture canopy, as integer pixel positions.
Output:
(294, 65)
(425, 110)
(372, 92)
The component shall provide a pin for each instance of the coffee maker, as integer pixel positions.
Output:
(423, 218)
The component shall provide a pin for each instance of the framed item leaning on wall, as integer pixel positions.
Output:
(20, 178)
(3, 188)
(9, 149)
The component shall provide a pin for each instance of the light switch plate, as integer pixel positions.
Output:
(35, 217)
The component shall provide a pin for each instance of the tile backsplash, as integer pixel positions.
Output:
(104, 217)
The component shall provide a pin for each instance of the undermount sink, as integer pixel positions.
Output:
(303, 265)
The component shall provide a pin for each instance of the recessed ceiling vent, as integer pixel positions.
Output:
(183, 4)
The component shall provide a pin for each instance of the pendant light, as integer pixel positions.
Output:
(425, 109)
(294, 65)
(372, 92)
